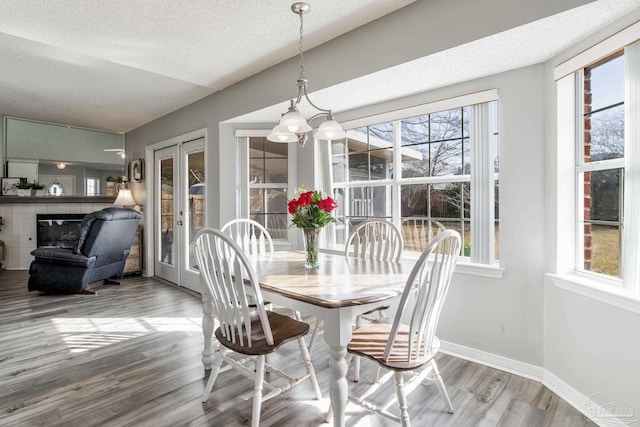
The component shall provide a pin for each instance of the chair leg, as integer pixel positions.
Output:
(402, 398)
(215, 369)
(257, 392)
(376, 369)
(307, 363)
(441, 387)
(356, 359)
(376, 373)
(312, 340)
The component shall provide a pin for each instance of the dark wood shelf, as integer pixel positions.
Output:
(57, 199)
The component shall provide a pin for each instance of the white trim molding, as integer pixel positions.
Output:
(429, 107)
(597, 290)
(592, 407)
(491, 360)
(617, 41)
(603, 413)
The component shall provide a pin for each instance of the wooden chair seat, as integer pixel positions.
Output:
(371, 339)
(283, 328)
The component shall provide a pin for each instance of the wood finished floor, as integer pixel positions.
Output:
(130, 356)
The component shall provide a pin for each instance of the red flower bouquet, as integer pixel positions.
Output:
(310, 210)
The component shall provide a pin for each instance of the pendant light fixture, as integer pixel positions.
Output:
(293, 126)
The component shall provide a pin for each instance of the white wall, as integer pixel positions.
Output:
(593, 347)
(589, 345)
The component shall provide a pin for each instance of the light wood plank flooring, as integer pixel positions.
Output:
(131, 356)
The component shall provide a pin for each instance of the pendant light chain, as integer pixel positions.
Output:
(300, 46)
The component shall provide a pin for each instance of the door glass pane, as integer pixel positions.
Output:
(166, 211)
(196, 201)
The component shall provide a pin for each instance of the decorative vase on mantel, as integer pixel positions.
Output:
(311, 247)
(111, 188)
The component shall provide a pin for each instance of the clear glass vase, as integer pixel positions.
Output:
(311, 247)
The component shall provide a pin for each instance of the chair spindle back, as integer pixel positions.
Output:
(250, 235)
(375, 239)
(230, 280)
(427, 286)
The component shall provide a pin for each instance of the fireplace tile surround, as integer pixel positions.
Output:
(19, 232)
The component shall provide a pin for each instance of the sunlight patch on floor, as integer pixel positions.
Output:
(88, 333)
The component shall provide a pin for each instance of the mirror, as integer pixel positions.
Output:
(67, 160)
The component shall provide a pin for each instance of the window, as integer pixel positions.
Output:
(419, 172)
(93, 187)
(600, 168)
(268, 183)
(598, 135)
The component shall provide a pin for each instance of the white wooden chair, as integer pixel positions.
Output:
(250, 331)
(378, 240)
(375, 239)
(409, 347)
(250, 235)
(418, 231)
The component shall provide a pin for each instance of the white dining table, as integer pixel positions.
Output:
(336, 292)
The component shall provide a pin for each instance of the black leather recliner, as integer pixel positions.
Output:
(100, 252)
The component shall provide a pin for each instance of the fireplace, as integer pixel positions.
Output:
(58, 230)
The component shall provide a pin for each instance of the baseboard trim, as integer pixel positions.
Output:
(596, 408)
(506, 364)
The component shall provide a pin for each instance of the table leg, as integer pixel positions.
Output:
(337, 334)
(338, 388)
(207, 330)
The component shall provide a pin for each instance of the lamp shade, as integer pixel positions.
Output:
(124, 199)
(329, 129)
(295, 122)
(281, 134)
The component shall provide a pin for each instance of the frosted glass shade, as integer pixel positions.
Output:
(281, 134)
(295, 122)
(329, 130)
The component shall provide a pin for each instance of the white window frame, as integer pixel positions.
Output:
(482, 171)
(242, 178)
(623, 292)
(92, 182)
(584, 167)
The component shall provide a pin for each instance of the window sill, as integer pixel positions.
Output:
(596, 290)
(492, 271)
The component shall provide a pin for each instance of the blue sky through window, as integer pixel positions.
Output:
(607, 83)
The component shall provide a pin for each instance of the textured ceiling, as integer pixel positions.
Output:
(117, 64)
(519, 47)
